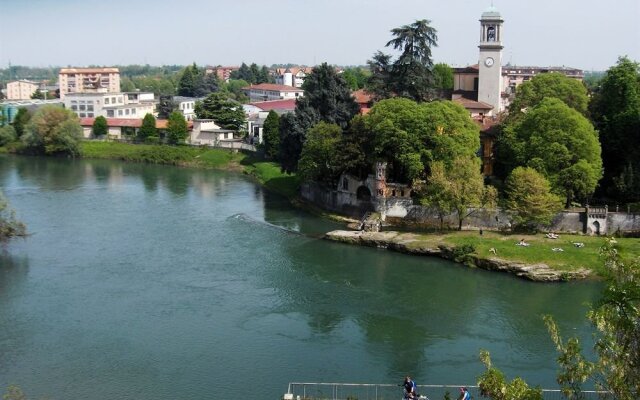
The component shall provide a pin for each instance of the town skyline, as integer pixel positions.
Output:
(339, 33)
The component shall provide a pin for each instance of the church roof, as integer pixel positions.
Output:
(491, 13)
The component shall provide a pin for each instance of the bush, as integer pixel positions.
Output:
(7, 135)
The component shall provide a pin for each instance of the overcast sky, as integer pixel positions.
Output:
(586, 34)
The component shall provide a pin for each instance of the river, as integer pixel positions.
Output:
(154, 282)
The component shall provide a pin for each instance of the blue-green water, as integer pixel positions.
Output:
(153, 282)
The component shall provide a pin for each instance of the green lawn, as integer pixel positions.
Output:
(540, 249)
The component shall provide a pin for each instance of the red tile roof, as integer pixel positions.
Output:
(472, 104)
(362, 97)
(287, 104)
(273, 87)
(129, 122)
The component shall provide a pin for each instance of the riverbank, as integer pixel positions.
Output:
(543, 260)
(266, 172)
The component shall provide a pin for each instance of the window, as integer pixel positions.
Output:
(90, 115)
(90, 107)
(119, 112)
(106, 100)
(126, 112)
(82, 115)
(133, 111)
(109, 113)
(74, 107)
(82, 107)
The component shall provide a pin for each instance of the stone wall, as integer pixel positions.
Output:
(342, 202)
(623, 222)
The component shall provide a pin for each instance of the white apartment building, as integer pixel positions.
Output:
(21, 89)
(88, 80)
(110, 105)
(270, 91)
(187, 106)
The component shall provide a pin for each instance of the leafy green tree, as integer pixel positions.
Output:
(354, 154)
(14, 393)
(148, 128)
(226, 113)
(529, 198)
(10, 227)
(188, 81)
(443, 76)
(166, 106)
(458, 187)
(100, 127)
(615, 317)
(553, 84)
(409, 136)
(411, 74)
(38, 95)
(379, 82)
(22, 118)
(177, 129)
(271, 135)
(53, 130)
(327, 98)
(356, 78)
(560, 143)
(7, 135)
(233, 90)
(492, 384)
(615, 110)
(318, 152)
(127, 85)
(244, 73)
(265, 76)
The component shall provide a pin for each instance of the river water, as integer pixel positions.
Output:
(155, 282)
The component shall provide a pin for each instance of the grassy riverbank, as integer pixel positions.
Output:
(267, 173)
(539, 251)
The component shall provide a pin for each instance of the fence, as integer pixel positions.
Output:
(371, 391)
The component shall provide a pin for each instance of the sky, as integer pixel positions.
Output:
(585, 34)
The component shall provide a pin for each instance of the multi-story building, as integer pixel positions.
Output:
(293, 76)
(88, 80)
(21, 89)
(223, 73)
(187, 106)
(110, 105)
(270, 91)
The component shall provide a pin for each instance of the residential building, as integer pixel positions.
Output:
(364, 100)
(21, 89)
(207, 133)
(88, 80)
(279, 106)
(292, 76)
(270, 91)
(110, 105)
(223, 73)
(187, 106)
(118, 127)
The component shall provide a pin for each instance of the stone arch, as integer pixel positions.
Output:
(596, 227)
(363, 193)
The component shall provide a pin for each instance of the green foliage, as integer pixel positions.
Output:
(38, 95)
(410, 75)
(100, 127)
(252, 74)
(328, 99)
(14, 393)
(553, 84)
(226, 113)
(176, 128)
(409, 136)
(271, 135)
(574, 368)
(529, 198)
(53, 131)
(615, 110)
(356, 78)
(127, 85)
(22, 118)
(462, 253)
(558, 142)
(10, 227)
(7, 135)
(442, 76)
(188, 81)
(233, 90)
(493, 384)
(317, 159)
(166, 106)
(148, 128)
(615, 317)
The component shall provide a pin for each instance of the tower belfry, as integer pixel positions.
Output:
(490, 62)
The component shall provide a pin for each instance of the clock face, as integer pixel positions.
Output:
(488, 61)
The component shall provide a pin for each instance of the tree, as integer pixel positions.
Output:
(410, 75)
(615, 110)
(166, 106)
(53, 131)
(188, 81)
(148, 128)
(442, 76)
(14, 393)
(244, 73)
(615, 317)
(552, 84)
(529, 198)
(38, 95)
(327, 98)
(558, 142)
(10, 227)
(226, 113)
(409, 136)
(7, 135)
(22, 118)
(176, 128)
(233, 90)
(379, 82)
(317, 158)
(271, 135)
(458, 187)
(127, 85)
(493, 385)
(355, 78)
(100, 127)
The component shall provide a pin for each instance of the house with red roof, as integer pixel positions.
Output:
(272, 91)
(118, 128)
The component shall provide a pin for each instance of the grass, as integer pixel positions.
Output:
(270, 175)
(540, 249)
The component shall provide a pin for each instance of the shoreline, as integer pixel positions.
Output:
(410, 243)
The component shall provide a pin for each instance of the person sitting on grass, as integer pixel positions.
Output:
(522, 243)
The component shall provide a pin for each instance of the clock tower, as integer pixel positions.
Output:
(490, 62)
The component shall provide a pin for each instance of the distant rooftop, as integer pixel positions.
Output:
(110, 70)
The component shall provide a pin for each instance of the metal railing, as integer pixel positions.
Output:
(376, 391)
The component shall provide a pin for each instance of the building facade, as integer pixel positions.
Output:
(21, 89)
(490, 61)
(270, 91)
(88, 80)
(110, 105)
